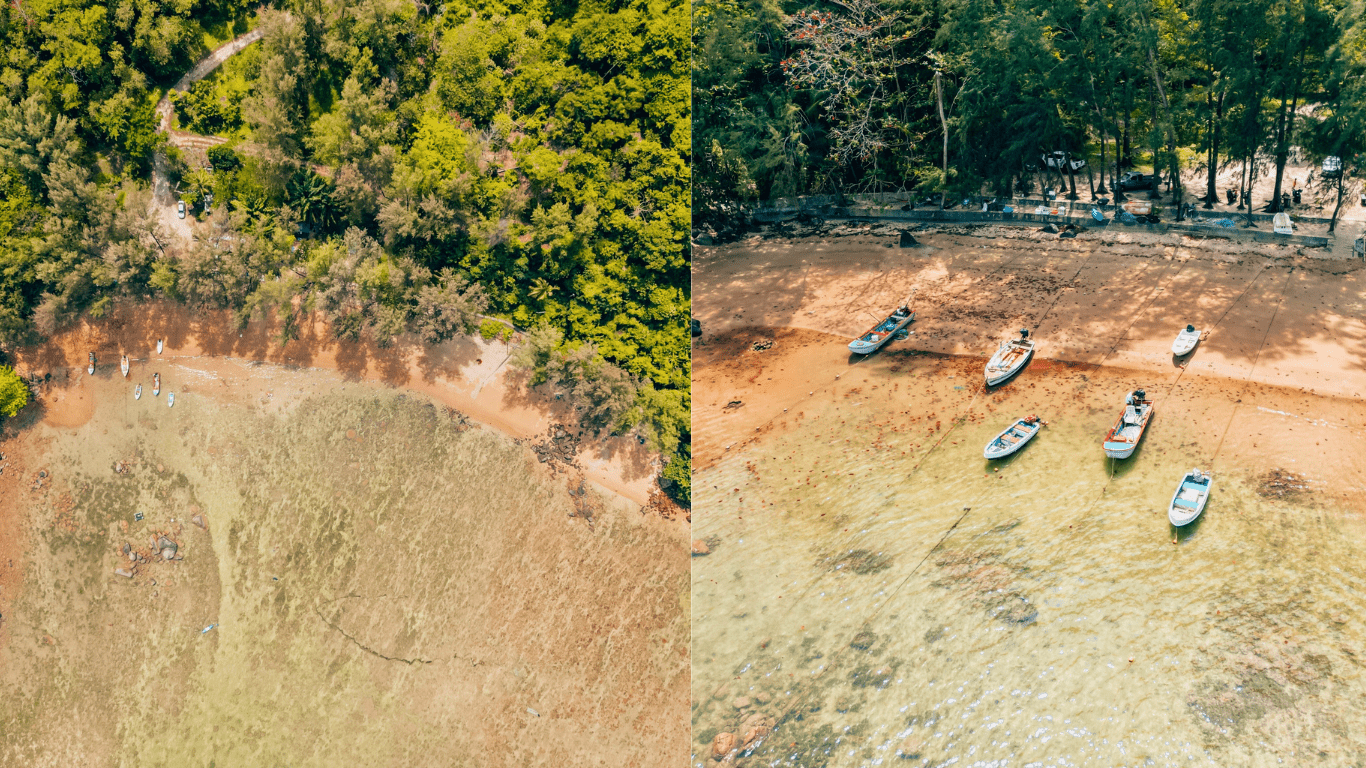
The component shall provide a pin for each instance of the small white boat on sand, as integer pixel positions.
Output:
(1281, 224)
(878, 335)
(170, 399)
(90, 369)
(123, 366)
(1010, 357)
(137, 392)
(1123, 437)
(158, 346)
(1185, 341)
(156, 384)
(1190, 497)
(1014, 437)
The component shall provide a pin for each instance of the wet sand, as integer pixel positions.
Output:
(389, 581)
(876, 590)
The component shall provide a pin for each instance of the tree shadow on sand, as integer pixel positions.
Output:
(635, 457)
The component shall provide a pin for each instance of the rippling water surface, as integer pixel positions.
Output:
(882, 595)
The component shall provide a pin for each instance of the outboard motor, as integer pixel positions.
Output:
(1140, 395)
(1024, 333)
(1297, 193)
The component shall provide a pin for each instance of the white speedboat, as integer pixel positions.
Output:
(1123, 437)
(156, 384)
(137, 392)
(1190, 497)
(123, 366)
(170, 399)
(90, 369)
(1185, 341)
(1010, 357)
(1013, 438)
(158, 346)
(878, 335)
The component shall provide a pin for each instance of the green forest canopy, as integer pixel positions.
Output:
(794, 97)
(525, 160)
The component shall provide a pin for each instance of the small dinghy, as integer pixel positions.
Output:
(123, 366)
(91, 368)
(1014, 437)
(1190, 497)
(158, 346)
(156, 384)
(1010, 357)
(137, 392)
(1123, 437)
(1185, 341)
(878, 335)
(170, 399)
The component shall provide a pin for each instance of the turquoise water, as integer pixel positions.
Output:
(887, 596)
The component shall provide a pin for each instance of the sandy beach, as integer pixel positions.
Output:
(1276, 321)
(874, 589)
(467, 374)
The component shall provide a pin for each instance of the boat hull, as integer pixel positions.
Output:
(997, 375)
(996, 450)
(1181, 515)
(1120, 450)
(860, 347)
(1185, 343)
(1123, 438)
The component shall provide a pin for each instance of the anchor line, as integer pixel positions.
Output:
(1247, 381)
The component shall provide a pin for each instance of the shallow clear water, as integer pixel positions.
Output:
(887, 597)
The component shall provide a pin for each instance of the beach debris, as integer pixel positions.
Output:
(908, 240)
(199, 521)
(137, 516)
(1281, 483)
(700, 548)
(760, 345)
(1051, 229)
(206, 629)
(559, 445)
(732, 405)
(532, 711)
(124, 572)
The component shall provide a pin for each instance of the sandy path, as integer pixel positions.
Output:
(466, 374)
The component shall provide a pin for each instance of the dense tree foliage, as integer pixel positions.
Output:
(963, 96)
(401, 168)
(13, 392)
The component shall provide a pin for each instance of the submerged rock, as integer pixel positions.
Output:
(911, 747)
(724, 744)
(700, 548)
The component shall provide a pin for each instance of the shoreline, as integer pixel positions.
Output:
(466, 374)
(1285, 345)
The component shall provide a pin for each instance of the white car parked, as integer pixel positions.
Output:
(180, 209)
